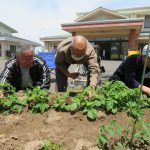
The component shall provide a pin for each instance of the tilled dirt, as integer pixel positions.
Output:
(74, 132)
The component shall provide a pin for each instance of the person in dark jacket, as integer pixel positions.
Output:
(131, 69)
(26, 70)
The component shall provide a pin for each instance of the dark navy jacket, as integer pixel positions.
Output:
(130, 72)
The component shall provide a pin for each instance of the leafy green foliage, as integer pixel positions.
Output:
(116, 136)
(50, 146)
(9, 102)
(81, 102)
(112, 97)
(7, 89)
(60, 102)
(115, 96)
(92, 113)
(87, 102)
(38, 100)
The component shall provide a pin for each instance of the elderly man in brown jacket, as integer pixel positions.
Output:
(75, 50)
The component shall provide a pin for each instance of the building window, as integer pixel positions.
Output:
(147, 21)
(13, 48)
(115, 49)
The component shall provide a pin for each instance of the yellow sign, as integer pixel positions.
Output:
(132, 52)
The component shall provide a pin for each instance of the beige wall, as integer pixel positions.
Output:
(48, 45)
(5, 46)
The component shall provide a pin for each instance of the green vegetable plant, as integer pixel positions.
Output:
(116, 96)
(81, 102)
(9, 102)
(112, 97)
(7, 89)
(50, 146)
(118, 137)
(38, 100)
(60, 102)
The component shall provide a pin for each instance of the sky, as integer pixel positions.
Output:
(39, 18)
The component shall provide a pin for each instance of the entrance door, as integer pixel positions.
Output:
(105, 50)
(114, 50)
(117, 51)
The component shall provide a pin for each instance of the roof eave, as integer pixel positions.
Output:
(103, 22)
(8, 27)
(14, 38)
(98, 9)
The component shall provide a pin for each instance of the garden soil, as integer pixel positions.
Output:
(28, 131)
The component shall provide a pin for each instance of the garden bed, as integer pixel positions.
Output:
(36, 120)
(74, 132)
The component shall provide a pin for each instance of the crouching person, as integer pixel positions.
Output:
(131, 69)
(76, 50)
(26, 70)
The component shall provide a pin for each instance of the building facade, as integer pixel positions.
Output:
(115, 31)
(8, 42)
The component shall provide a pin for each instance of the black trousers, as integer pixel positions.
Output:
(61, 81)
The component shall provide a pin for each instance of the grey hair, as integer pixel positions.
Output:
(22, 48)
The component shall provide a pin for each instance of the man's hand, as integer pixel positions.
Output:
(91, 92)
(1, 94)
(145, 89)
(92, 87)
(73, 75)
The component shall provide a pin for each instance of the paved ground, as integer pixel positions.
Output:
(110, 67)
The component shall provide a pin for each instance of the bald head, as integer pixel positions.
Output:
(78, 46)
(79, 43)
